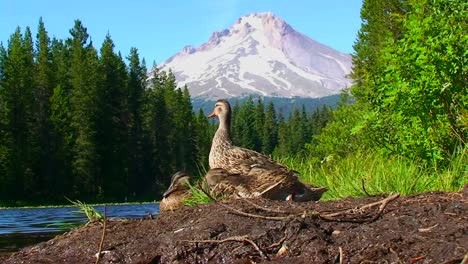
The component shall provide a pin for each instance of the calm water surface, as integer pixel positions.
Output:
(23, 227)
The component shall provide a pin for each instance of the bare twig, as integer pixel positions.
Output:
(341, 254)
(239, 212)
(265, 209)
(327, 217)
(364, 188)
(230, 239)
(428, 229)
(102, 238)
(277, 244)
(383, 203)
(465, 259)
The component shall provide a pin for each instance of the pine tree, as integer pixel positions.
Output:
(43, 92)
(270, 130)
(60, 120)
(137, 173)
(284, 140)
(83, 104)
(17, 99)
(112, 122)
(204, 134)
(259, 120)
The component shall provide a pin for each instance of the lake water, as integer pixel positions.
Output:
(23, 227)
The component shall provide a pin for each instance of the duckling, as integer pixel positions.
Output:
(177, 192)
(260, 182)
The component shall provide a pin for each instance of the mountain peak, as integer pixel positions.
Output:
(260, 54)
(266, 22)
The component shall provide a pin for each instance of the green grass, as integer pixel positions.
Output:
(198, 196)
(91, 213)
(345, 177)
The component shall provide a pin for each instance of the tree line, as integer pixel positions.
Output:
(84, 123)
(410, 71)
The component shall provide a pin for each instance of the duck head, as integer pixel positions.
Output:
(179, 183)
(222, 110)
(177, 192)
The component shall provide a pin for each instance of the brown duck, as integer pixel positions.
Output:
(269, 177)
(260, 182)
(177, 192)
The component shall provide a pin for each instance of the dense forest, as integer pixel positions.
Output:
(84, 124)
(87, 124)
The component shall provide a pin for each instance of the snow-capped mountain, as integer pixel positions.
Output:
(260, 54)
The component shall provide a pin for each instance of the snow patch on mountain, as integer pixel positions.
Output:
(260, 54)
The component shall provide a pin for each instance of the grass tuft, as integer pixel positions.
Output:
(379, 174)
(91, 213)
(198, 196)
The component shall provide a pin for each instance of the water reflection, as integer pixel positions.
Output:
(22, 227)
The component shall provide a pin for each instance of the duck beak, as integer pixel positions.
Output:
(211, 115)
(169, 191)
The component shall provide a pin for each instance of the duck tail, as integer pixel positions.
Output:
(310, 194)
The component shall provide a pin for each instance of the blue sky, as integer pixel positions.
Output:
(159, 29)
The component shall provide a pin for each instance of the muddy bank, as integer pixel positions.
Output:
(425, 228)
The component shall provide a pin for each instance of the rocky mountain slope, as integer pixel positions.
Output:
(260, 54)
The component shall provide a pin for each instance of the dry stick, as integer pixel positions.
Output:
(383, 203)
(233, 238)
(277, 218)
(102, 238)
(341, 254)
(364, 188)
(328, 217)
(265, 209)
(465, 259)
(276, 244)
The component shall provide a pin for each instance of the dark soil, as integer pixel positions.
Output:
(425, 228)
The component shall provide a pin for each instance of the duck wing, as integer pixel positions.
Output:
(242, 160)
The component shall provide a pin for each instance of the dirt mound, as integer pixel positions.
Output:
(425, 228)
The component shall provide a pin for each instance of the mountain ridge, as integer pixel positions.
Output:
(260, 54)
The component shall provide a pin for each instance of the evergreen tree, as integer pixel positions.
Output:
(83, 106)
(259, 121)
(156, 129)
(112, 122)
(283, 136)
(204, 134)
(138, 176)
(270, 130)
(43, 92)
(60, 120)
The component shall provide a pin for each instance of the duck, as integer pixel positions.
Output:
(234, 159)
(249, 173)
(177, 192)
(260, 182)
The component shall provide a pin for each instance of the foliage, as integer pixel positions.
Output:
(410, 72)
(91, 213)
(379, 174)
(198, 196)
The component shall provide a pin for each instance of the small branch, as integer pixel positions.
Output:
(277, 244)
(265, 209)
(327, 217)
(239, 212)
(364, 188)
(341, 254)
(383, 203)
(230, 239)
(102, 237)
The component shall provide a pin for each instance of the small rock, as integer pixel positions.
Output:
(336, 232)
